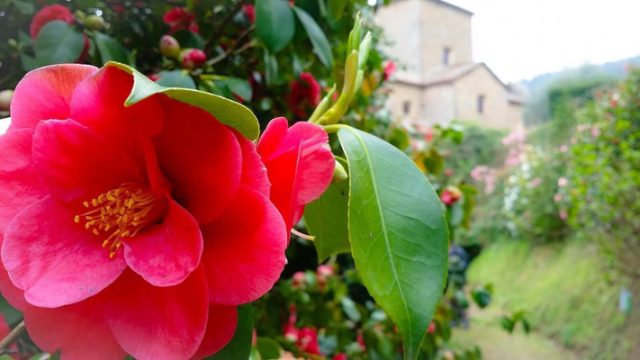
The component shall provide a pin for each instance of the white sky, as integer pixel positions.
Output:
(519, 39)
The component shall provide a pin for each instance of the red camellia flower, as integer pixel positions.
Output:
(48, 14)
(300, 150)
(180, 19)
(340, 356)
(304, 95)
(308, 341)
(138, 230)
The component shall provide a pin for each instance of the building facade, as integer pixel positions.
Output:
(437, 80)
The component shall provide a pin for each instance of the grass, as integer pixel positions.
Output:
(565, 291)
(497, 344)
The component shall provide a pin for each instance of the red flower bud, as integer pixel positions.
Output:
(193, 58)
(450, 195)
(298, 279)
(389, 69)
(249, 11)
(432, 328)
(340, 356)
(169, 47)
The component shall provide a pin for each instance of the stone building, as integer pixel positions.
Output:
(437, 80)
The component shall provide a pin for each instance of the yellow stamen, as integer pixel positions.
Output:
(120, 213)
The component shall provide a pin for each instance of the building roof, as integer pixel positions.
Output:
(450, 74)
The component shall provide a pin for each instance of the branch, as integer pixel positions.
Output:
(13, 336)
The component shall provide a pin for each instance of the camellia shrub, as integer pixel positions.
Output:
(152, 186)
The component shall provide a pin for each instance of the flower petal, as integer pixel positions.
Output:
(201, 158)
(76, 163)
(244, 250)
(79, 331)
(13, 295)
(45, 94)
(221, 326)
(20, 184)
(55, 261)
(254, 173)
(158, 322)
(299, 163)
(167, 253)
(98, 103)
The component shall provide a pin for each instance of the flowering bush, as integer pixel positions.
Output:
(604, 181)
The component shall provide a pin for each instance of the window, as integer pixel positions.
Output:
(446, 56)
(406, 107)
(480, 105)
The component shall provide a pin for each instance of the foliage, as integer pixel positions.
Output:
(606, 174)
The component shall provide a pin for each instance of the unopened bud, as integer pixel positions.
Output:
(169, 47)
(339, 173)
(5, 99)
(94, 22)
(193, 58)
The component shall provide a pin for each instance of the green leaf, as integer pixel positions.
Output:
(398, 233)
(226, 111)
(110, 49)
(239, 87)
(240, 345)
(269, 349)
(321, 45)
(58, 43)
(336, 8)
(275, 24)
(188, 39)
(326, 219)
(270, 68)
(176, 78)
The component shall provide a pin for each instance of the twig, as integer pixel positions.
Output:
(13, 336)
(217, 34)
(231, 49)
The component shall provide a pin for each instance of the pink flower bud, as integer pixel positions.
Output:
(193, 58)
(298, 279)
(169, 47)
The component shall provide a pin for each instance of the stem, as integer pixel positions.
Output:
(302, 235)
(333, 128)
(13, 336)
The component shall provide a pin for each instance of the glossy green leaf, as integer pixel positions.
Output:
(398, 233)
(269, 349)
(326, 219)
(226, 111)
(110, 49)
(58, 43)
(240, 345)
(275, 24)
(239, 87)
(321, 45)
(176, 78)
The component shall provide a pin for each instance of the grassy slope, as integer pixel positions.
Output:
(565, 291)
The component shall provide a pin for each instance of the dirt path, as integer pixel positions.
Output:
(497, 344)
